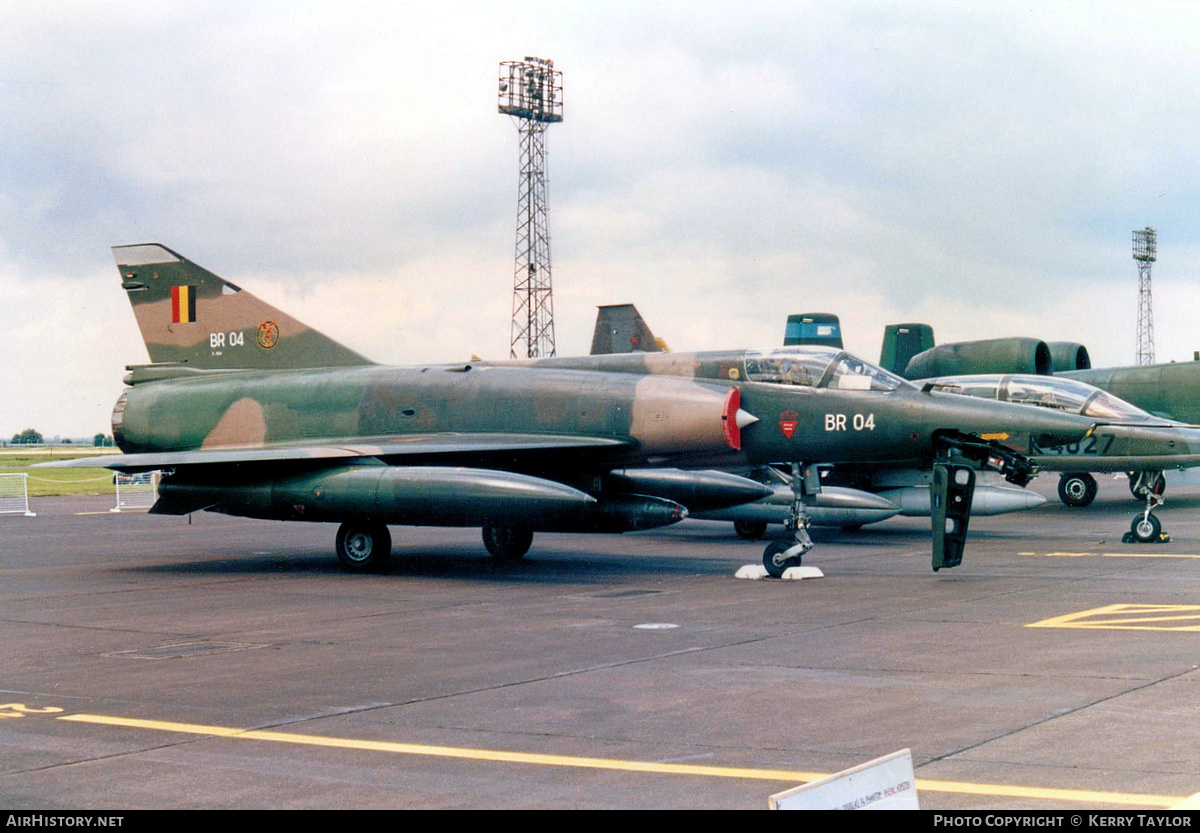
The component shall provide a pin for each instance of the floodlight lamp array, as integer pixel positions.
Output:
(531, 89)
(1145, 245)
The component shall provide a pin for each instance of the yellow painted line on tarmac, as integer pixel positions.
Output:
(1147, 554)
(1085, 797)
(1129, 617)
(451, 751)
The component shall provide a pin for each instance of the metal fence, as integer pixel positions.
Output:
(14, 494)
(136, 492)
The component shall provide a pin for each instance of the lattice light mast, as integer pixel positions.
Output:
(1145, 252)
(531, 92)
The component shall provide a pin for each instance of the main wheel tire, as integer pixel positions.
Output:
(363, 548)
(750, 530)
(773, 560)
(1145, 528)
(1158, 485)
(507, 543)
(1077, 489)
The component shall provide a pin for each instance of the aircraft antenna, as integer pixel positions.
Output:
(531, 93)
(1145, 252)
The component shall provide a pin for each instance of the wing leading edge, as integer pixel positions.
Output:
(441, 444)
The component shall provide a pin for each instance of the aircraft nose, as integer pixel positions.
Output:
(1010, 424)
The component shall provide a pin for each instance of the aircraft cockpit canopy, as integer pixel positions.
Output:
(1066, 395)
(818, 367)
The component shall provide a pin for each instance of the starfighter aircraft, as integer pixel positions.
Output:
(1169, 393)
(249, 412)
(1127, 439)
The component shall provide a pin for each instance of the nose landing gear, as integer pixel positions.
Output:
(780, 555)
(1146, 527)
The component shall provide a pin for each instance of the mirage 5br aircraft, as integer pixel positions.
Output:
(249, 412)
(624, 343)
(850, 495)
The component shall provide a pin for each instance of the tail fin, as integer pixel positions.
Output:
(190, 317)
(813, 328)
(620, 329)
(901, 342)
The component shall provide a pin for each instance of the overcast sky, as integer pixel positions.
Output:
(978, 166)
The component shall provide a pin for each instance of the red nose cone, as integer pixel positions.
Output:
(733, 434)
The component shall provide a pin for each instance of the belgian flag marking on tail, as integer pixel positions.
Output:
(183, 304)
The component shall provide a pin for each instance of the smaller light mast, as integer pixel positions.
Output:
(1145, 252)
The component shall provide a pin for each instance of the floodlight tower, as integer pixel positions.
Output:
(1145, 252)
(531, 92)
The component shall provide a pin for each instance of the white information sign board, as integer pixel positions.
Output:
(885, 783)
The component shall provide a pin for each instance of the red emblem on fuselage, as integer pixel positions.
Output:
(268, 334)
(788, 421)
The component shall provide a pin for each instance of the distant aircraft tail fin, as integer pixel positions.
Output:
(813, 328)
(903, 341)
(621, 329)
(190, 317)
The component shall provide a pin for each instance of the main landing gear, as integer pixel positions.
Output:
(780, 555)
(1146, 527)
(364, 547)
(750, 530)
(507, 543)
(1142, 483)
(1077, 488)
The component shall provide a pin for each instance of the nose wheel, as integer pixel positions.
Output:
(780, 555)
(1146, 528)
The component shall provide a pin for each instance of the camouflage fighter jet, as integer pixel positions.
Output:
(828, 379)
(249, 412)
(620, 328)
(850, 495)
(1127, 439)
(1167, 392)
